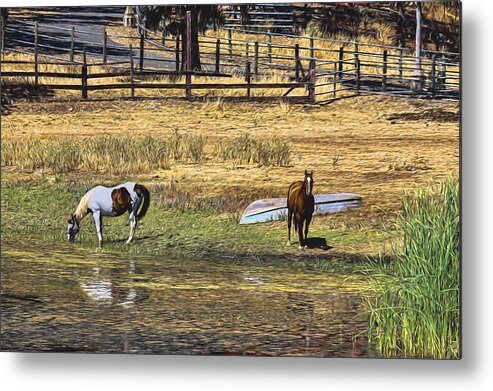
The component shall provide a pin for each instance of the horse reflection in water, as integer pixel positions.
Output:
(104, 292)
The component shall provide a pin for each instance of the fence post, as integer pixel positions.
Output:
(84, 74)
(247, 50)
(255, 59)
(297, 62)
(36, 35)
(334, 81)
(312, 48)
(247, 76)
(144, 22)
(2, 34)
(36, 70)
(105, 43)
(188, 64)
(341, 59)
(358, 75)
(72, 43)
(269, 46)
(132, 80)
(218, 55)
(444, 71)
(230, 43)
(141, 53)
(400, 61)
(357, 66)
(384, 71)
(311, 82)
(177, 53)
(433, 74)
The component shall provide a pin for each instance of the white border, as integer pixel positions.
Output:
(473, 372)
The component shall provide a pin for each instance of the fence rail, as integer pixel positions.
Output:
(131, 79)
(342, 67)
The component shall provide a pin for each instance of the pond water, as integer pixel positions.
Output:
(67, 299)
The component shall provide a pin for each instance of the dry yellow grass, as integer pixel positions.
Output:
(374, 146)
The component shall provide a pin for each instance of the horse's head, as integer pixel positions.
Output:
(308, 182)
(73, 228)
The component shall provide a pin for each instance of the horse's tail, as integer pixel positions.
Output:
(142, 191)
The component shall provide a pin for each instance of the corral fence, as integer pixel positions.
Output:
(317, 69)
(278, 17)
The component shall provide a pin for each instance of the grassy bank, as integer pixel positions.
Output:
(372, 146)
(179, 227)
(416, 312)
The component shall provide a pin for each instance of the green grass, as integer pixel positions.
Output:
(416, 310)
(38, 213)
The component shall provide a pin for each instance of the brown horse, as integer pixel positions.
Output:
(301, 204)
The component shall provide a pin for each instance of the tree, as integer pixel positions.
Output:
(4, 13)
(329, 19)
(418, 73)
(174, 18)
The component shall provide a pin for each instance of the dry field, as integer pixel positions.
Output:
(375, 146)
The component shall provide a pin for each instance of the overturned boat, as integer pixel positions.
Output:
(273, 209)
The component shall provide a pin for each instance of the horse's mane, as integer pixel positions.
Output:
(83, 205)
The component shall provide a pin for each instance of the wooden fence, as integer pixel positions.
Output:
(131, 75)
(326, 69)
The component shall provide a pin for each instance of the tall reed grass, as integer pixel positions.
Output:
(104, 153)
(128, 154)
(416, 310)
(246, 149)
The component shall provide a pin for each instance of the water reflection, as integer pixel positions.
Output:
(130, 299)
(99, 291)
(250, 276)
(103, 292)
(150, 305)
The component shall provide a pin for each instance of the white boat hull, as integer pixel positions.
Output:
(275, 209)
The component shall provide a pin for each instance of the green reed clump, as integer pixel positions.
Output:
(104, 153)
(246, 149)
(416, 310)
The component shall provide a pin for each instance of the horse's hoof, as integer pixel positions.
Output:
(306, 247)
(288, 243)
(300, 247)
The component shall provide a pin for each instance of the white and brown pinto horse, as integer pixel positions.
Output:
(110, 201)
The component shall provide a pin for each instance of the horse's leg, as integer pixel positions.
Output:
(300, 231)
(133, 225)
(307, 224)
(133, 221)
(98, 220)
(290, 217)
